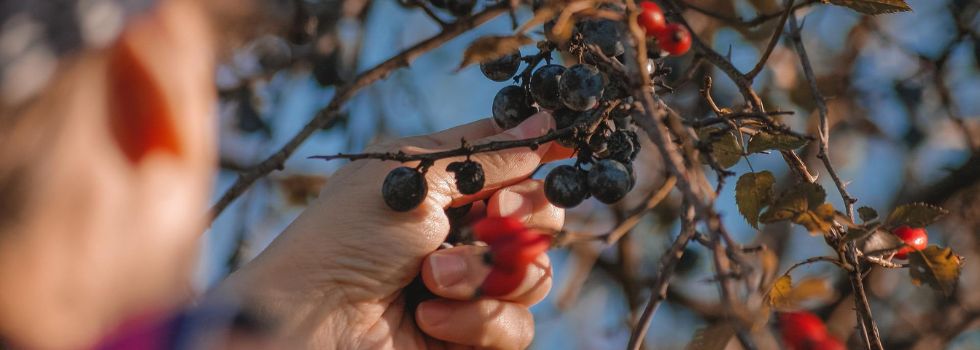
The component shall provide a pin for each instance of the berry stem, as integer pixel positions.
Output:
(586, 126)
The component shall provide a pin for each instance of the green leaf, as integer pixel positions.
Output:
(764, 141)
(874, 7)
(753, 191)
(788, 206)
(867, 213)
(714, 337)
(938, 267)
(915, 215)
(725, 147)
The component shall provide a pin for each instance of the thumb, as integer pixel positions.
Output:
(501, 168)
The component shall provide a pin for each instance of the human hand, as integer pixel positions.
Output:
(336, 277)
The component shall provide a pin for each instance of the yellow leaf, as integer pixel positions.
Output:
(781, 292)
(785, 297)
(753, 191)
(714, 337)
(938, 267)
(819, 220)
(492, 47)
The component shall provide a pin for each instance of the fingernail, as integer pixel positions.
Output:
(434, 313)
(511, 204)
(537, 125)
(447, 269)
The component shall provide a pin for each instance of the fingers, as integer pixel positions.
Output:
(485, 323)
(457, 273)
(526, 201)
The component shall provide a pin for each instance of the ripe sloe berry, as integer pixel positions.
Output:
(580, 87)
(404, 189)
(565, 186)
(503, 67)
(564, 118)
(511, 107)
(609, 181)
(544, 86)
(604, 33)
(460, 8)
(469, 176)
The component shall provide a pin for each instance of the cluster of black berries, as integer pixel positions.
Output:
(589, 96)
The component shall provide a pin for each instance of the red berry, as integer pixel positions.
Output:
(520, 251)
(828, 343)
(651, 18)
(801, 330)
(915, 238)
(490, 230)
(513, 247)
(502, 281)
(676, 40)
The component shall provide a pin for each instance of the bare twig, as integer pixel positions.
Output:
(738, 22)
(330, 112)
(776, 34)
(630, 221)
(668, 262)
(869, 327)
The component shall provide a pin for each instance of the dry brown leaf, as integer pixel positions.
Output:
(491, 47)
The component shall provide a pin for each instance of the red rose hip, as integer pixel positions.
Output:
(651, 18)
(676, 40)
(915, 238)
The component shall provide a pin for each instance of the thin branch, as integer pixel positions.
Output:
(776, 34)
(815, 259)
(668, 262)
(824, 152)
(586, 126)
(739, 22)
(630, 221)
(326, 115)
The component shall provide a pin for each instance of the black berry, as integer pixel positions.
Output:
(469, 176)
(502, 68)
(565, 186)
(604, 33)
(580, 87)
(609, 181)
(511, 107)
(460, 8)
(544, 86)
(439, 3)
(404, 189)
(622, 146)
(564, 118)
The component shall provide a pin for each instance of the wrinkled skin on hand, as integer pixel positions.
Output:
(336, 277)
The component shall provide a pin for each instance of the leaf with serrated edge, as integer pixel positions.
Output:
(818, 220)
(867, 213)
(764, 141)
(938, 267)
(793, 202)
(714, 337)
(753, 191)
(781, 292)
(915, 215)
(491, 47)
(874, 7)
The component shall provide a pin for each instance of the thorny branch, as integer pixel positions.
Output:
(869, 328)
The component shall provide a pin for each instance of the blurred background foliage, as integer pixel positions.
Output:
(904, 100)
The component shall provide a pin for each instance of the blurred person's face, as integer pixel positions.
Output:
(116, 202)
